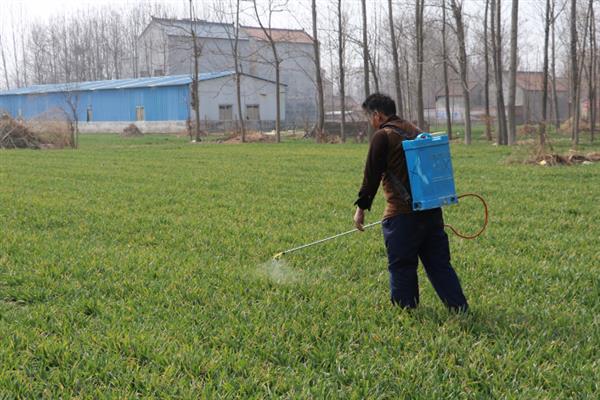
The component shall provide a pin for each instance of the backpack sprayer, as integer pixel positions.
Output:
(431, 182)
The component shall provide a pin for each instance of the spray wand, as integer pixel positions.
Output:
(279, 255)
(464, 236)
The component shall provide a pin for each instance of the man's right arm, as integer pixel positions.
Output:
(375, 167)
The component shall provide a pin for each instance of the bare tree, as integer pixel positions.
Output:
(457, 10)
(71, 111)
(238, 76)
(512, 80)
(234, 46)
(420, 6)
(341, 58)
(24, 60)
(196, 73)
(496, 31)
(395, 61)
(592, 69)
(272, 8)
(445, 68)
(553, 67)
(374, 56)
(486, 87)
(319, 80)
(574, 75)
(365, 50)
(408, 84)
(542, 129)
(4, 64)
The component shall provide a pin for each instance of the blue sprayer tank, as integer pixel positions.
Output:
(430, 171)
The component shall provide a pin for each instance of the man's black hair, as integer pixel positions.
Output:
(379, 102)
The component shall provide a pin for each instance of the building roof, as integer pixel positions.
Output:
(221, 30)
(279, 35)
(526, 80)
(455, 89)
(202, 28)
(534, 81)
(173, 80)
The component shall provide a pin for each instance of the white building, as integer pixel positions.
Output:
(165, 48)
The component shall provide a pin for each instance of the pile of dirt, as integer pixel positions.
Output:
(15, 135)
(251, 137)
(552, 159)
(131, 131)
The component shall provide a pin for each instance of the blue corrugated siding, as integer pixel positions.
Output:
(163, 103)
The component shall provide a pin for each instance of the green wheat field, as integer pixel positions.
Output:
(140, 268)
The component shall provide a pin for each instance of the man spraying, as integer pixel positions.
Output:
(409, 235)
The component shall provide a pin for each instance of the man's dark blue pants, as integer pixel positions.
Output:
(415, 235)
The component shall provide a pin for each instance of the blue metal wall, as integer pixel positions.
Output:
(162, 103)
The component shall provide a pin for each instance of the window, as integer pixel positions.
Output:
(139, 113)
(159, 72)
(253, 112)
(225, 112)
(89, 114)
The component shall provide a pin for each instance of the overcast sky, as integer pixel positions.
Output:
(530, 17)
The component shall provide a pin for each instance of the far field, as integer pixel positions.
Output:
(140, 268)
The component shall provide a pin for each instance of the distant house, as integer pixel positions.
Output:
(165, 48)
(528, 99)
(457, 107)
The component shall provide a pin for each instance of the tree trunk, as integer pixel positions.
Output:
(16, 59)
(238, 75)
(277, 64)
(592, 73)
(321, 102)
(365, 48)
(512, 88)
(420, 6)
(542, 129)
(496, 31)
(25, 81)
(395, 59)
(374, 72)
(341, 48)
(195, 94)
(408, 102)
(486, 88)
(445, 68)
(4, 65)
(574, 75)
(462, 61)
(277, 95)
(553, 67)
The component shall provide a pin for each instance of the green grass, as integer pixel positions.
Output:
(140, 268)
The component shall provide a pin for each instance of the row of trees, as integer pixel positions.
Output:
(90, 44)
(441, 41)
(415, 51)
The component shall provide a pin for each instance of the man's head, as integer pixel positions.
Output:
(378, 108)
